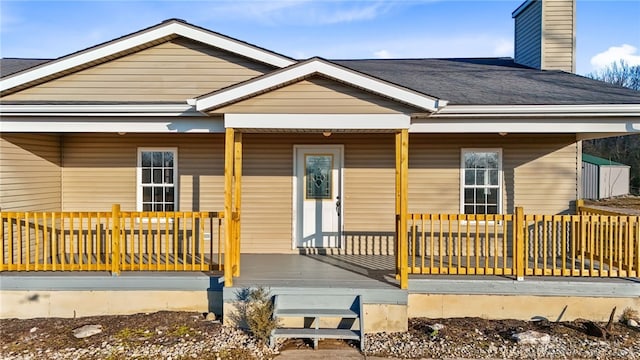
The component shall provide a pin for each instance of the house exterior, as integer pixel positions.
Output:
(303, 155)
(176, 149)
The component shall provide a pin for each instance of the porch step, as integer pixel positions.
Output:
(317, 306)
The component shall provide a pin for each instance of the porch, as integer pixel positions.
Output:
(73, 293)
(592, 244)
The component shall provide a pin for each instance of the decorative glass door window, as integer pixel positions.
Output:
(318, 170)
(481, 185)
(157, 175)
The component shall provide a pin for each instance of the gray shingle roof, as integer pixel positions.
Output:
(492, 81)
(486, 81)
(10, 66)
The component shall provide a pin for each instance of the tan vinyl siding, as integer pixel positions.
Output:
(528, 36)
(171, 71)
(559, 40)
(369, 190)
(30, 175)
(100, 170)
(316, 95)
(539, 173)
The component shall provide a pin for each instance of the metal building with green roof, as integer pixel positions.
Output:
(603, 178)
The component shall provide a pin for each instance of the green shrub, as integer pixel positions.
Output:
(255, 313)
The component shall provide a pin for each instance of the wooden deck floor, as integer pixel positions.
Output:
(331, 271)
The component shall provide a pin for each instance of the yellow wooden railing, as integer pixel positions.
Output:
(460, 244)
(111, 241)
(609, 244)
(519, 245)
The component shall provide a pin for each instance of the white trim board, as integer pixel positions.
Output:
(318, 121)
(562, 126)
(165, 29)
(501, 111)
(99, 110)
(308, 68)
(109, 125)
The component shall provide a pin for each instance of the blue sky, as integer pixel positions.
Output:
(607, 30)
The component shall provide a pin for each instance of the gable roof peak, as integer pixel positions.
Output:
(316, 66)
(163, 31)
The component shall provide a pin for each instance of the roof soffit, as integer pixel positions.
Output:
(310, 68)
(128, 44)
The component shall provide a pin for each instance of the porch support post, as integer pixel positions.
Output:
(237, 191)
(398, 138)
(402, 187)
(228, 206)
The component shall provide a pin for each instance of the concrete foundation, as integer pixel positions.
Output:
(67, 304)
(522, 307)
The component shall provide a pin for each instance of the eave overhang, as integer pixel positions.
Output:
(107, 118)
(98, 110)
(573, 119)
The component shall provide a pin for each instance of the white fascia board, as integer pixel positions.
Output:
(538, 110)
(142, 38)
(279, 78)
(318, 121)
(540, 125)
(99, 110)
(90, 124)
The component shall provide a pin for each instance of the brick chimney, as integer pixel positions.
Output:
(545, 34)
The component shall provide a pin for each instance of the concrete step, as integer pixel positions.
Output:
(317, 333)
(317, 306)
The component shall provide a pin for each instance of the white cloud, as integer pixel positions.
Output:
(356, 13)
(296, 12)
(625, 52)
(502, 47)
(382, 54)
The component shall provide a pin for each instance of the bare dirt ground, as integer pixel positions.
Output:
(629, 202)
(44, 337)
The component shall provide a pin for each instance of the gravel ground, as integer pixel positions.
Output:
(185, 335)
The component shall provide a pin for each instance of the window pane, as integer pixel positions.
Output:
(468, 209)
(492, 160)
(158, 207)
(168, 159)
(147, 207)
(480, 209)
(468, 196)
(469, 178)
(492, 209)
(493, 177)
(168, 207)
(480, 196)
(157, 194)
(168, 194)
(168, 176)
(480, 177)
(146, 194)
(146, 159)
(146, 176)
(157, 159)
(492, 196)
(157, 176)
(469, 160)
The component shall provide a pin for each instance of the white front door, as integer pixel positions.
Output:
(317, 200)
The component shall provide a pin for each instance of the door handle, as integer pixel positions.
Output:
(338, 205)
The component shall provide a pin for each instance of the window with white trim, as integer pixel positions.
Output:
(157, 176)
(481, 184)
